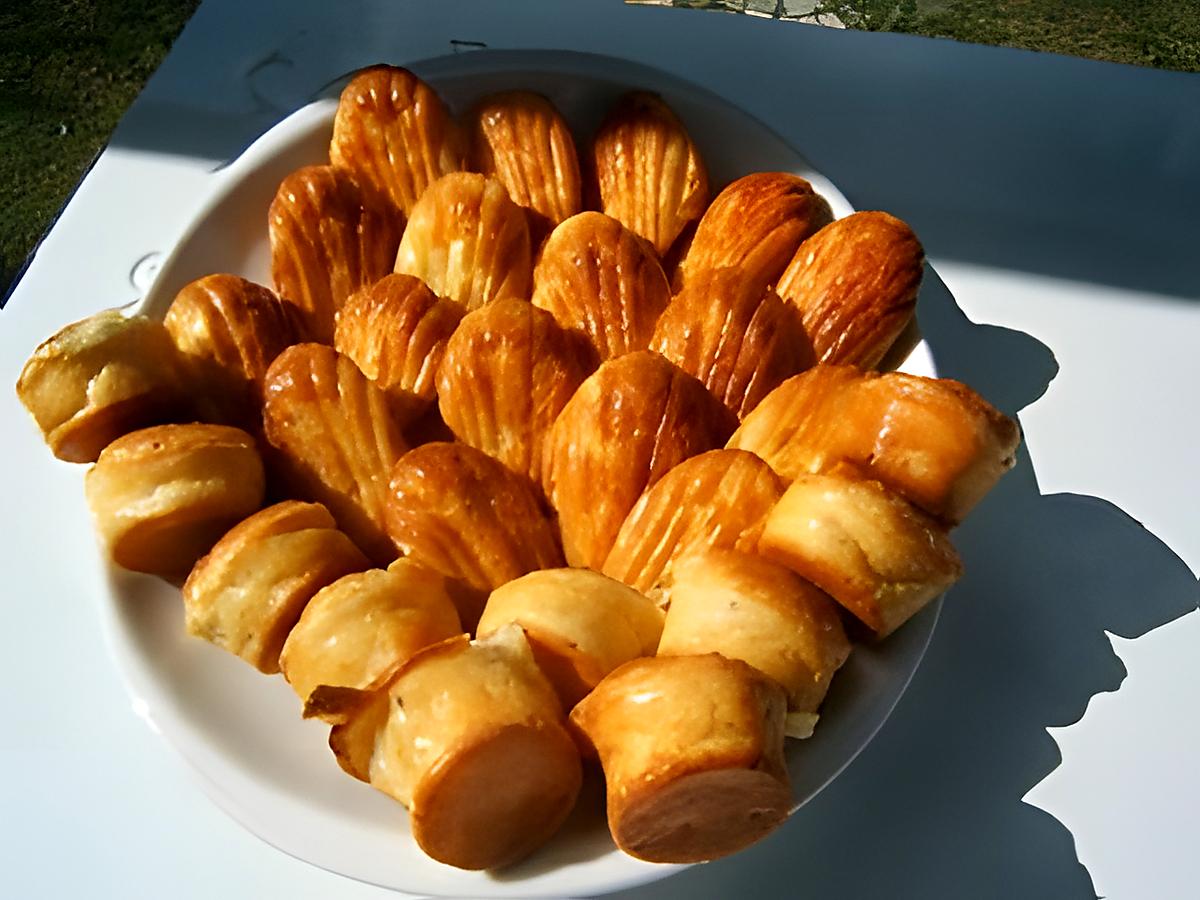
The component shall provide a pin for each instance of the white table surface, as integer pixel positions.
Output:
(1057, 199)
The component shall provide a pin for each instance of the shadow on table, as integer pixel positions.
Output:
(1020, 646)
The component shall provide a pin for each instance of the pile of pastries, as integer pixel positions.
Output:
(536, 457)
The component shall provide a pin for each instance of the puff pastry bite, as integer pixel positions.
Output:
(98, 379)
(869, 549)
(395, 135)
(468, 241)
(692, 750)
(717, 499)
(396, 331)
(740, 340)
(248, 592)
(458, 511)
(755, 224)
(162, 496)
(228, 330)
(328, 239)
(855, 282)
(580, 625)
(475, 746)
(507, 373)
(356, 631)
(649, 174)
(632, 421)
(748, 608)
(336, 440)
(598, 277)
(932, 440)
(521, 140)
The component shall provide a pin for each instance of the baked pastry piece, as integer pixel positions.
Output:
(632, 421)
(522, 141)
(396, 332)
(598, 277)
(356, 631)
(458, 511)
(755, 224)
(162, 496)
(328, 239)
(394, 134)
(692, 750)
(932, 440)
(474, 745)
(869, 549)
(336, 440)
(580, 625)
(251, 588)
(228, 330)
(98, 379)
(855, 281)
(649, 174)
(507, 373)
(748, 608)
(468, 241)
(717, 499)
(740, 340)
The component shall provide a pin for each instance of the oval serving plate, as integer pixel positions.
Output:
(271, 770)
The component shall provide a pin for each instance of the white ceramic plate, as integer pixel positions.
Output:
(242, 732)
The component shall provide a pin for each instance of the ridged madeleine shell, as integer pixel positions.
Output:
(756, 224)
(396, 331)
(229, 331)
(855, 283)
(649, 174)
(458, 511)
(598, 277)
(328, 239)
(336, 438)
(718, 499)
(740, 340)
(508, 371)
(468, 241)
(393, 132)
(630, 422)
(522, 141)
(934, 441)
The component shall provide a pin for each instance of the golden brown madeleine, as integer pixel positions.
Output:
(632, 421)
(393, 132)
(337, 440)
(475, 746)
(458, 511)
(596, 276)
(162, 496)
(756, 224)
(717, 499)
(468, 241)
(692, 750)
(228, 331)
(100, 378)
(855, 281)
(251, 588)
(328, 239)
(396, 331)
(748, 608)
(871, 550)
(521, 140)
(740, 340)
(932, 440)
(649, 174)
(508, 371)
(357, 631)
(580, 625)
